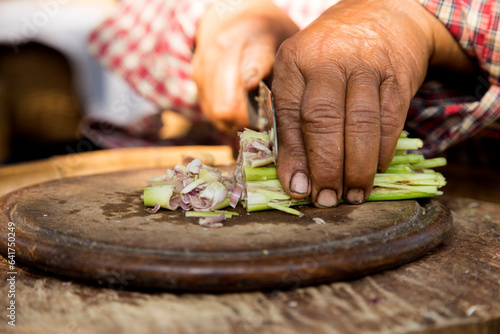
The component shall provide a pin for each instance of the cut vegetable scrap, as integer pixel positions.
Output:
(192, 187)
(205, 190)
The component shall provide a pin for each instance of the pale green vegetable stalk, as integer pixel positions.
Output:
(409, 176)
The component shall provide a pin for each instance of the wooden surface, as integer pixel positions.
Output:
(88, 227)
(16, 176)
(454, 289)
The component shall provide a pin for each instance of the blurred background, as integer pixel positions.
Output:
(50, 87)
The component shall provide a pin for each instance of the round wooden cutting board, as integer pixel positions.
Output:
(95, 228)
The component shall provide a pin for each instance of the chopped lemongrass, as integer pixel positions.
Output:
(158, 195)
(260, 174)
(409, 144)
(284, 208)
(216, 213)
(256, 186)
(387, 194)
(407, 159)
(399, 169)
(222, 205)
(429, 163)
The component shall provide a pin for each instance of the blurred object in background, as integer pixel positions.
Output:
(4, 123)
(54, 92)
(41, 109)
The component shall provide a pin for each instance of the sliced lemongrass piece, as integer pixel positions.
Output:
(285, 208)
(407, 159)
(399, 169)
(216, 213)
(406, 178)
(249, 134)
(387, 194)
(409, 144)
(223, 205)
(429, 163)
(158, 195)
(192, 185)
(262, 162)
(260, 174)
(419, 189)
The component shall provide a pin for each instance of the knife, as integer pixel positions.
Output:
(261, 113)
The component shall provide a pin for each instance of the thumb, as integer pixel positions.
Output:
(257, 61)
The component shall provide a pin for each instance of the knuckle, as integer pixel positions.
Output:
(363, 120)
(322, 117)
(392, 126)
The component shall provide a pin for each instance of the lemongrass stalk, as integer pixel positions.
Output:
(407, 159)
(431, 189)
(265, 206)
(223, 204)
(216, 213)
(409, 144)
(267, 184)
(399, 169)
(394, 194)
(406, 178)
(260, 174)
(284, 208)
(429, 163)
(249, 134)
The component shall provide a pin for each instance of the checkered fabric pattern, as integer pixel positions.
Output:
(442, 116)
(150, 43)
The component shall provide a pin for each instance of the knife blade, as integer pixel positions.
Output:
(261, 113)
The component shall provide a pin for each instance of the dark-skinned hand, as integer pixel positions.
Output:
(342, 88)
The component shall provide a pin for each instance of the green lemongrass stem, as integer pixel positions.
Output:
(399, 169)
(284, 208)
(261, 196)
(273, 184)
(409, 144)
(265, 206)
(395, 194)
(418, 189)
(248, 134)
(260, 174)
(229, 214)
(406, 178)
(429, 163)
(407, 159)
(201, 214)
(223, 205)
(158, 194)
(262, 162)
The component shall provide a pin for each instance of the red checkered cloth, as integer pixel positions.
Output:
(443, 113)
(150, 43)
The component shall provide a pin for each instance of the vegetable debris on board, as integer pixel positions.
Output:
(203, 191)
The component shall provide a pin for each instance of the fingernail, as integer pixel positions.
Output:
(356, 196)
(327, 198)
(249, 76)
(299, 183)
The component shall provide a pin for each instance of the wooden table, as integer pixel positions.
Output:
(454, 289)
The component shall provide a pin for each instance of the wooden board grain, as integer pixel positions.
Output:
(453, 289)
(95, 228)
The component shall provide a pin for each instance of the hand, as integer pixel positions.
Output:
(342, 89)
(235, 49)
